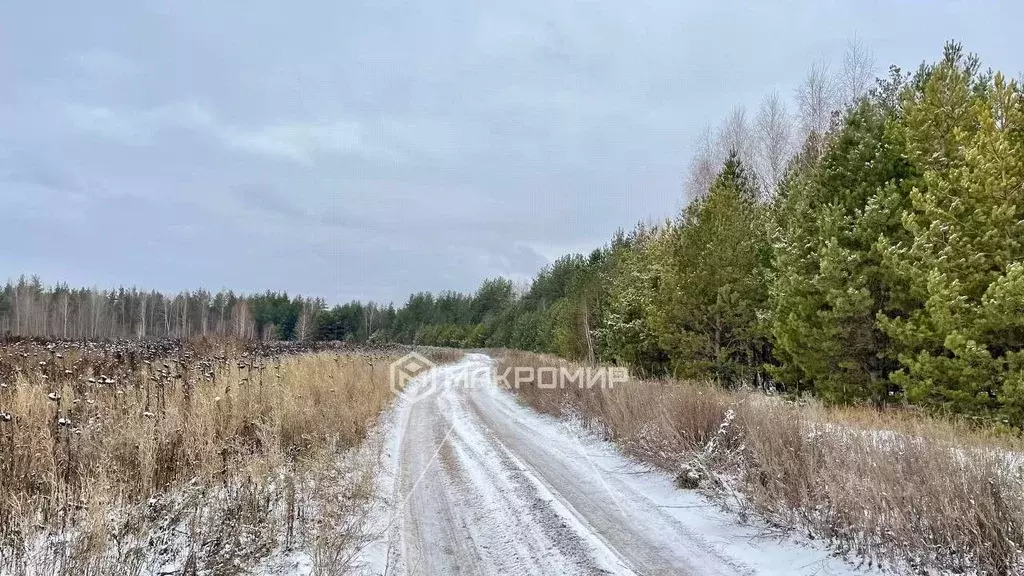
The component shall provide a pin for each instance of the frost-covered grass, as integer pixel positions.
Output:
(897, 489)
(210, 461)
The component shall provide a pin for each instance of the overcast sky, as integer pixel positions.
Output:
(369, 150)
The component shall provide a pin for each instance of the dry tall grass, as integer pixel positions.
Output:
(202, 463)
(893, 488)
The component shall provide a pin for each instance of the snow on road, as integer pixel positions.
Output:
(477, 484)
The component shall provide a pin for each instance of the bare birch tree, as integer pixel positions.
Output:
(304, 326)
(773, 142)
(735, 135)
(64, 308)
(141, 332)
(816, 100)
(182, 303)
(369, 319)
(97, 303)
(704, 165)
(858, 71)
(244, 326)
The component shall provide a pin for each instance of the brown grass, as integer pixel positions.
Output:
(440, 355)
(894, 488)
(206, 461)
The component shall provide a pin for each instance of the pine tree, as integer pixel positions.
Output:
(626, 335)
(828, 286)
(714, 289)
(961, 343)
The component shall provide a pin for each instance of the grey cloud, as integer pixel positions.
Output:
(137, 127)
(371, 149)
(298, 141)
(40, 175)
(262, 198)
(301, 141)
(104, 64)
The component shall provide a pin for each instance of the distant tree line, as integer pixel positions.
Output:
(868, 248)
(28, 308)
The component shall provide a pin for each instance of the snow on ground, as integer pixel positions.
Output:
(475, 483)
(471, 482)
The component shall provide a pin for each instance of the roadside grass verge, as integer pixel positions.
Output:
(441, 355)
(115, 461)
(894, 488)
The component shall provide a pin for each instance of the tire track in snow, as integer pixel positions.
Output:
(467, 513)
(485, 487)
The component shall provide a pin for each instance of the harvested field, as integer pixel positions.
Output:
(131, 457)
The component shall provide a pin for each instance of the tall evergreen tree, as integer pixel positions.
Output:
(714, 288)
(626, 336)
(828, 285)
(961, 344)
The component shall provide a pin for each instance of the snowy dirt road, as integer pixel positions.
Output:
(481, 485)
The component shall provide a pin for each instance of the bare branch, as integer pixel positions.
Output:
(816, 100)
(704, 165)
(858, 70)
(774, 141)
(736, 135)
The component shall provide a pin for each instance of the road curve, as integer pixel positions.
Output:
(485, 486)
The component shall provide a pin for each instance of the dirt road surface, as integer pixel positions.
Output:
(484, 486)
